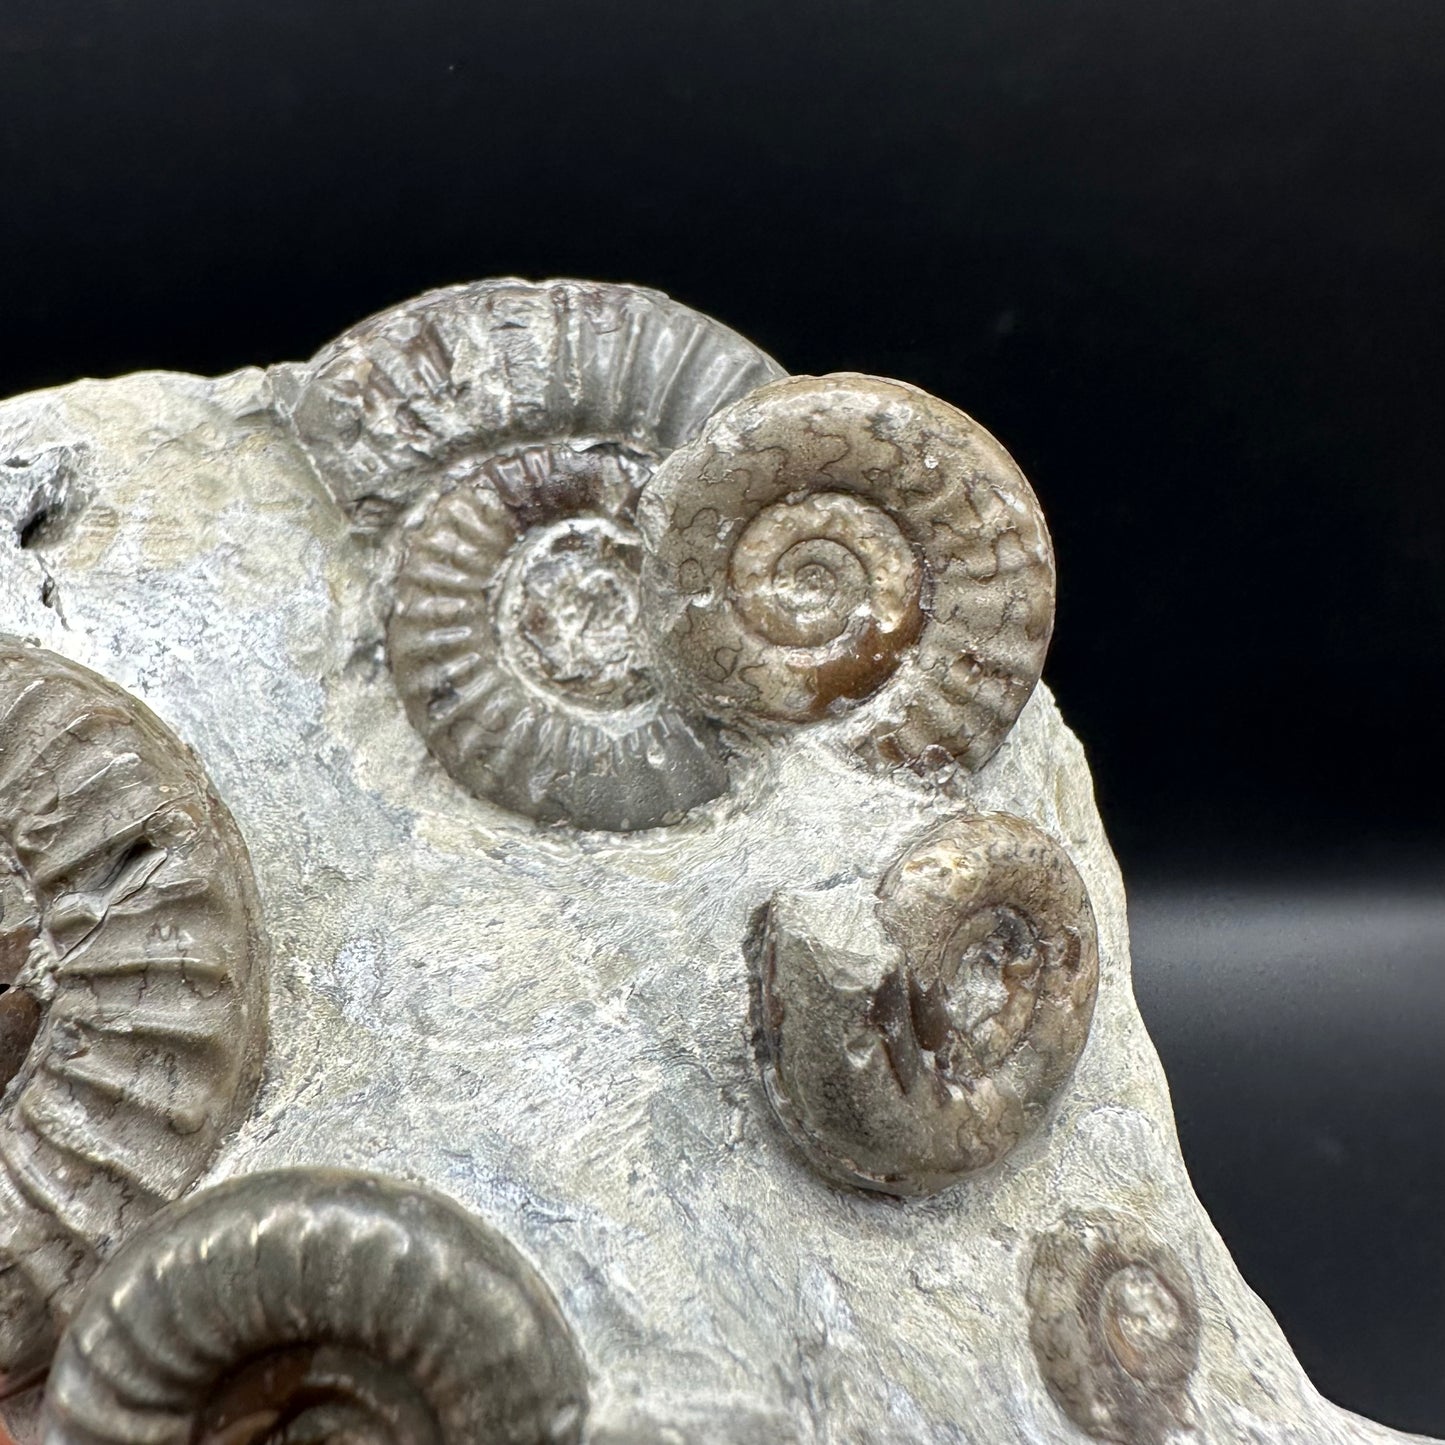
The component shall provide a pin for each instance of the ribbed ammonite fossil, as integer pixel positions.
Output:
(510, 428)
(133, 970)
(1115, 1328)
(616, 566)
(845, 544)
(312, 1305)
(912, 1033)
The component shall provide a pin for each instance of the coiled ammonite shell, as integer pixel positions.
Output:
(1115, 1328)
(830, 541)
(132, 981)
(311, 1305)
(913, 1034)
(524, 419)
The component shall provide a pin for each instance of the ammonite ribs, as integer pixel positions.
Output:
(512, 426)
(913, 1034)
(841, 544)
(616, 559)
(311, 1305)
(133, 1015)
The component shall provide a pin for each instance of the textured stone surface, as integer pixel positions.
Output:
(554, 1030)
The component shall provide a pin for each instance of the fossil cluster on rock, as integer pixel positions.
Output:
(542, 900)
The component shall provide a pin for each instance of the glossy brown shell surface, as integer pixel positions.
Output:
(914, 1032)
(507, 428)
(1114, 1322)
(848, 544)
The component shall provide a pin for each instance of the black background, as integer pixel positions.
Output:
(1185, 259)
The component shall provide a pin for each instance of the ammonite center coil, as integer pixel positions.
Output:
(509, 427)
(849, 546)
(912, 1034)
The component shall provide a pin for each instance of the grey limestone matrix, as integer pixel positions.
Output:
(542, 899)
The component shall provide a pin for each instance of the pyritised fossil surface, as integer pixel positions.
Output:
(316, 1305)
(134, 972)
(628, 767)
(499, 437)
(850, 546)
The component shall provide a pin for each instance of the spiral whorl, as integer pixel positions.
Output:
(845, 542)
(507, 428)
(914, 1032)
(310, 1305)
(1115, 1327)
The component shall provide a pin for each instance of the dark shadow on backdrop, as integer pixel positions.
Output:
(1184, 258)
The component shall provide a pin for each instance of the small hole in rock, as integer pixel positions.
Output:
(33, 528)
(45, 518)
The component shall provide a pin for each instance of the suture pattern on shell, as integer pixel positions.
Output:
(1114, 1324)
(133, 1014)
(304, 1305)
(912, 1033)
(851, 545)
(510, 427)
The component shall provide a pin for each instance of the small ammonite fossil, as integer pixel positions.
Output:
(912, 1033)
(132, 981)
(310, 1305)
(841, 543)
(1115, 1327)
(511, 426)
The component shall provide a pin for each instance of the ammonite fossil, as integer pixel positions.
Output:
(310, 1305)
(1115, 1328)
(513, 425)
(132, 981)
(829, 542)
(912, 1034)
(557, 1021)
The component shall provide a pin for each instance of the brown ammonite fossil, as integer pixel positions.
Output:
(913, 1032)
(1114, 1324)
(501, 433)
(132, 982)
(844, 545)
(308, 1305)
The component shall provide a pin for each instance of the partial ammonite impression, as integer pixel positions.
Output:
(310, 1305)
(1115, 1328)
(914, 1033)
(834, 541)
(132, 981)
(511, 426)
